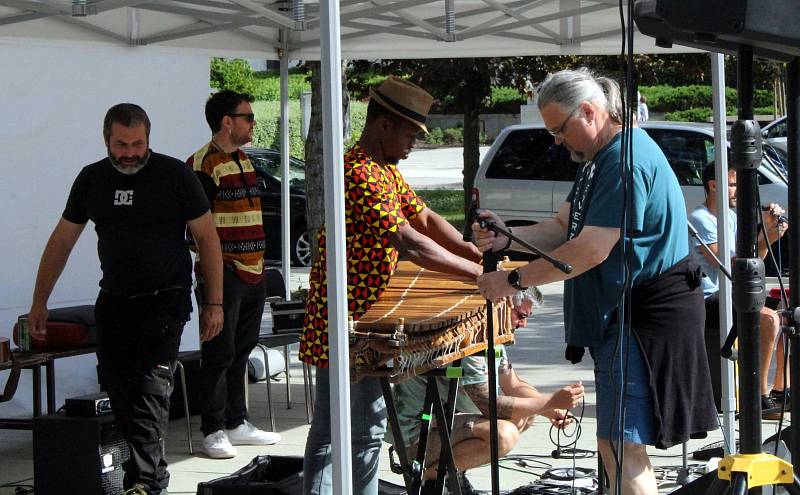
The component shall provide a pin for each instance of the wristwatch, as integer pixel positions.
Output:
(515, 279)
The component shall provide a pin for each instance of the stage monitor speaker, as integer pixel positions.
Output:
(77, 455)
(771, 28)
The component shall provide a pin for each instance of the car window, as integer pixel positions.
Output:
(687, 152)
(531, 154)
(776, 131)
(270, 164)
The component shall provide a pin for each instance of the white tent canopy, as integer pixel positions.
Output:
(312, 30)
(369, 29)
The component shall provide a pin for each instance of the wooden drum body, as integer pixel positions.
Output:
(423, 320)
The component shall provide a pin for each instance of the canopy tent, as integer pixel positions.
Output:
(369, 28)
(295, 29)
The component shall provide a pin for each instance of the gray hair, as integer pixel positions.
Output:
(532, 294)
(568, 88)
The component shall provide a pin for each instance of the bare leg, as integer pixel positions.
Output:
(638, 477)
(780, 365)
(475, 450)
(770, 330)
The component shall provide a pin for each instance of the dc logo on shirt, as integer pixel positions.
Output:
(123, 198)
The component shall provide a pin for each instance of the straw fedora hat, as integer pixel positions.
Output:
(404, 99)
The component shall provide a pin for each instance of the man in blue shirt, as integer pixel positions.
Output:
(584, 114)
(704, 220)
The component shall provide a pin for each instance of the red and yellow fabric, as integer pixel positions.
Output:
(377, 202)
(236, 208)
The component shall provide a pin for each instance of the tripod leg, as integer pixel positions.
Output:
(719, 487)
(738, 484)
(794, 488)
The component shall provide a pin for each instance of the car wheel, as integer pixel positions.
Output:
(301, 248)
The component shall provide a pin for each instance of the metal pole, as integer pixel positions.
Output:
(728, 400)
(490, 265)
(747, 281)
(286, 236)
(333, 161)
(793, 143)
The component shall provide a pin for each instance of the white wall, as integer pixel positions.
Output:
(53, 100)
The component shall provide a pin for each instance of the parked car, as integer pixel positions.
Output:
(525, 177)
(774, 133)
(267, 163)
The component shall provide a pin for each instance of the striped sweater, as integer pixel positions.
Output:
(232, 186)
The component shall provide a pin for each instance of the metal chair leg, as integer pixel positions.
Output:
(269, 385)
(308, 386)
(288, 377)
(182, 375)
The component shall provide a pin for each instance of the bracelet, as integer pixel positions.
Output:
(213, 304)
(509, 240)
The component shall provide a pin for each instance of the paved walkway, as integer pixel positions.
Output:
(537, 356)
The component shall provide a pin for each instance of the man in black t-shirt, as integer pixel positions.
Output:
(141, 204)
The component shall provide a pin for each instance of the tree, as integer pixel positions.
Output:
(315, 173)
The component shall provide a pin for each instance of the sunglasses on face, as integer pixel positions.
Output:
(250, 117)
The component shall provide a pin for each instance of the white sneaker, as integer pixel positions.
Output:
(247, 434)
(217, 446)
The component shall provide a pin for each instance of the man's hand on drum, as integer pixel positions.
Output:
(486, 239)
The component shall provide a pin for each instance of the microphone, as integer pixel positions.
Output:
(781, 218)
(556, 454)
(472, 215)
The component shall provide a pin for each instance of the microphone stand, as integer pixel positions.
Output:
(494, 227)
(727, 351)
(490, 259)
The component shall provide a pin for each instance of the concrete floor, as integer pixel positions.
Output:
(537, 357)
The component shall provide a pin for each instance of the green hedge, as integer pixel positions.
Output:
(267, 86)
(703, 114)
(266, 135)
(685, 98)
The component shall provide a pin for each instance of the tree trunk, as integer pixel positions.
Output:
(472, 132)
(315, 172)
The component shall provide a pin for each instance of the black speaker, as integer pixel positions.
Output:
(78, 455)
(723, 25)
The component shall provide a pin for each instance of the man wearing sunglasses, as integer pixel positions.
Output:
(230, 182)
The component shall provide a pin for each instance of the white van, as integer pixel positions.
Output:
(525, 176)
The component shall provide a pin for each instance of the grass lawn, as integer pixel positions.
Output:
(449, 203)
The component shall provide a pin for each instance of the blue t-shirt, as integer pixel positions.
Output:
(706, 224)
(659, 232)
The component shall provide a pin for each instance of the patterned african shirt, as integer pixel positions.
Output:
(377, 202)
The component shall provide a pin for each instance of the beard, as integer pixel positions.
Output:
(128, 164)
(576, 156)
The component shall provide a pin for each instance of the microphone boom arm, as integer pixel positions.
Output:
(494, 227)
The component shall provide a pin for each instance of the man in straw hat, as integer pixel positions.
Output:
(385, 218)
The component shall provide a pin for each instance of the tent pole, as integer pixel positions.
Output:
(724, 242)
(333, 156)
(286, 214)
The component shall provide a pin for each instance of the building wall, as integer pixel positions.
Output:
(51, 112)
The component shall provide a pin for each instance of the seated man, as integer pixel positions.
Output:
(517, 405)
(704, 219)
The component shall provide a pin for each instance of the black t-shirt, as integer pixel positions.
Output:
(140, 221)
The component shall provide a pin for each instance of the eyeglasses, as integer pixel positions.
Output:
(560, 130)
(250, 117)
